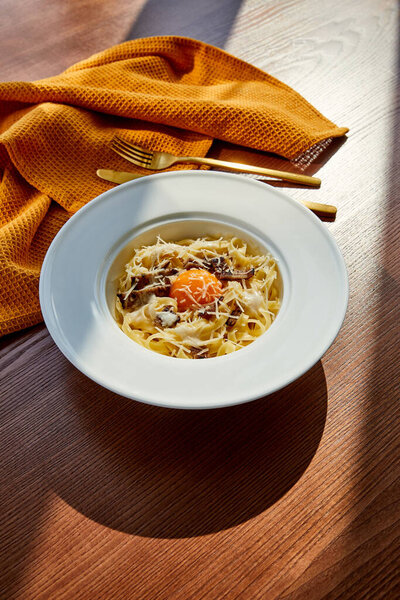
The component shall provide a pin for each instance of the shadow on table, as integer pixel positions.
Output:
(208, 20)
(166, 473)
(307, 163)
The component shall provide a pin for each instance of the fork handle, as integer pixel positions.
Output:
(213, 162)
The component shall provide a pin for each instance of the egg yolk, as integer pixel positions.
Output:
(195, 287)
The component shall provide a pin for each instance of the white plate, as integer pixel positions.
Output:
(77, 282)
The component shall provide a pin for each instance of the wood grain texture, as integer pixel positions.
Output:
(291, 497)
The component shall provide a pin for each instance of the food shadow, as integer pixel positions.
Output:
(167, 473)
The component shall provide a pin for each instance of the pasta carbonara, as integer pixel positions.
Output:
(197, 298)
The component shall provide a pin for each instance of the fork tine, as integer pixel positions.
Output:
(134, 160)
(132, 153)
(129, 146)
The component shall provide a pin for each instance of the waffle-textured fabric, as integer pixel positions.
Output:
(164, 93)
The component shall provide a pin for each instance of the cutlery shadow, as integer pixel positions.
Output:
(166, 473)
(308, 163)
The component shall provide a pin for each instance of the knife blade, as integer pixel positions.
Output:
(117, 176)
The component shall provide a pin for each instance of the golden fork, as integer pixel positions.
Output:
(161, 160)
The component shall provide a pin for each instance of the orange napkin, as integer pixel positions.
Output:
(165, 93)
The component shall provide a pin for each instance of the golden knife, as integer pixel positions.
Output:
(322, 210)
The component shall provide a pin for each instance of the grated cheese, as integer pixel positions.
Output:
(257, 298)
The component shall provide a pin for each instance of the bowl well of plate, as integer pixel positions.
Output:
(80, 275)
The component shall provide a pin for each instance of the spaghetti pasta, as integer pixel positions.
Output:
(210, 319)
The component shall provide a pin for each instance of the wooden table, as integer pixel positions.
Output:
(292, 496)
